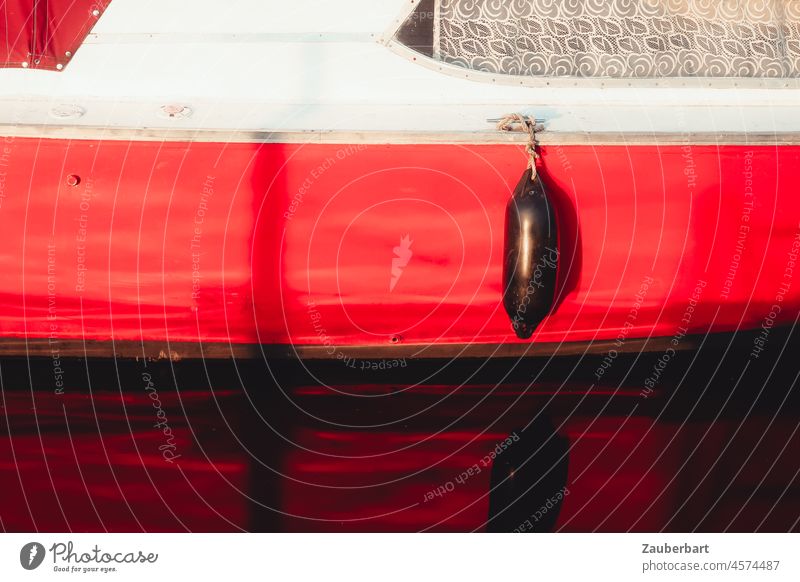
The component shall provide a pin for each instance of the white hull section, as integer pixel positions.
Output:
(256, 65)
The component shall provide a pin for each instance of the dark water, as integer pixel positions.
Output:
(538, 445)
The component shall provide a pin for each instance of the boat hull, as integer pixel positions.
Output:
(301, 244)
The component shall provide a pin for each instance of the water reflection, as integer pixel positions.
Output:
(711, 451)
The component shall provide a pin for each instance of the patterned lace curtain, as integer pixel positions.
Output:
(620, 38)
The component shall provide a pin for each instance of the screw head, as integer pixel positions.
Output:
(73, 180)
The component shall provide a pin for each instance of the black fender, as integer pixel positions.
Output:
(531, 255)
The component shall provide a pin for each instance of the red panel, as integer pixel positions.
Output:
(44, 34)
(215, 241)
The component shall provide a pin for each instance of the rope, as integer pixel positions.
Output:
(519, 122)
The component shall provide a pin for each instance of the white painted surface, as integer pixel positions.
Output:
(311, 65)
(213, 16)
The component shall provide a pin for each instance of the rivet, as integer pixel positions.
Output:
(175, 111)
(25, 64)
(59, 66)
(67, 111)
(95, 13)
(68, 54)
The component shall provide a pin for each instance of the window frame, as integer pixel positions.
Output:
(388, 39)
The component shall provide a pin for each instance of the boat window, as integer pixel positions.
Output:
(610, 38)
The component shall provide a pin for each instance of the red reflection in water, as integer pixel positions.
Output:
(84, 463)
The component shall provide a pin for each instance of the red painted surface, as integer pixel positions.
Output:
(212, 241)
(40, 33)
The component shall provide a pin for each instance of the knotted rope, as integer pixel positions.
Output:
(519, 122)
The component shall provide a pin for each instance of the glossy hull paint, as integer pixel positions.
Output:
(303, 243)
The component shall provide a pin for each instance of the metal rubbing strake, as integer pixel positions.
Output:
(621, 38)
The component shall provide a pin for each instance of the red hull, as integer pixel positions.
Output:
(293, 243)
